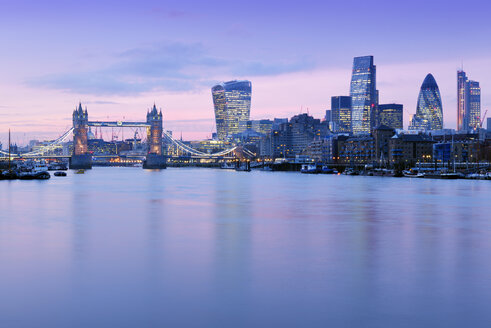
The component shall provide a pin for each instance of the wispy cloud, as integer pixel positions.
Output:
(101, 102)
(169, 67)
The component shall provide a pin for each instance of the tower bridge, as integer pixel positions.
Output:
(81, 158)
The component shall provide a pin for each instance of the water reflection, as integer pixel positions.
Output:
(202, 247)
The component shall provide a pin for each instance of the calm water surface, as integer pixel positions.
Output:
(124, 247)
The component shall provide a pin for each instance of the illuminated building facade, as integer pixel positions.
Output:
(80, 127)
(474, 117)
(356, 150)
(468, 103)
(408, 149)
(390, 115)
(291, 138)
(363, 94)
(341, 114)
(461, 98)
(154, 118)
(429, 112)
(260, 126)
(232, 102)
(81, 158)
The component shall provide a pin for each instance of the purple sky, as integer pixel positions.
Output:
(120, 56)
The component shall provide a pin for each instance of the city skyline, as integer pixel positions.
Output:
(52, 63)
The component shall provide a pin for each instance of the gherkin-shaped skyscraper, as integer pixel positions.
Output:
(429, 113)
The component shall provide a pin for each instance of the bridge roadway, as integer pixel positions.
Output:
(107, 156)
(118, 124)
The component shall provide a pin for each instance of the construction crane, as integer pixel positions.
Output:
(481, 121)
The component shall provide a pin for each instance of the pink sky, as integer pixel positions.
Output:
(119, 57)
(40, 113)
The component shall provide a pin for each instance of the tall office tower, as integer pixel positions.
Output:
(474, 105)
(328, 116)
(461, 98)
(341, 114)
(429, 112)
(390, 115)
(468, 103)
(232, 102)
(363, 94)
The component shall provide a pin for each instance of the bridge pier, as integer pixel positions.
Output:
(81, 159)
(80, 162)
(154, 161)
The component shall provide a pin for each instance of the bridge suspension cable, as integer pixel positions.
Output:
(43, 149)
(195, 152)
(55, 143)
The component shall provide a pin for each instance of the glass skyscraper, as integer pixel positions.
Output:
(341, 114)
(429, 112)
(363, 94)
(468, 103)
(461, 98)
(232, 102)
(390, 115)
(474, 105)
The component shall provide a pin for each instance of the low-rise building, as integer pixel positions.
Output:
(356, 150)
(408, 149)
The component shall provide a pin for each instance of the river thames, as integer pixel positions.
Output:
(125, 247)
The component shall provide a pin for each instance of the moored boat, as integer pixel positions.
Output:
(412, 174)
(309, 169)
(227, 166)
(327, 170)
(351, 171)
(57, 166)
(42, 175)
(444, 175)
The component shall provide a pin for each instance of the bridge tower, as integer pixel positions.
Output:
(81, 159)
(155, 158)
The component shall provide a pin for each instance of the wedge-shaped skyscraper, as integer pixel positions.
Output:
(363, 94)
(232, 102)
(429, 112)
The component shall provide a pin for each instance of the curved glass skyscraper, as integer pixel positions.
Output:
(232, 102)
(429, 112)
